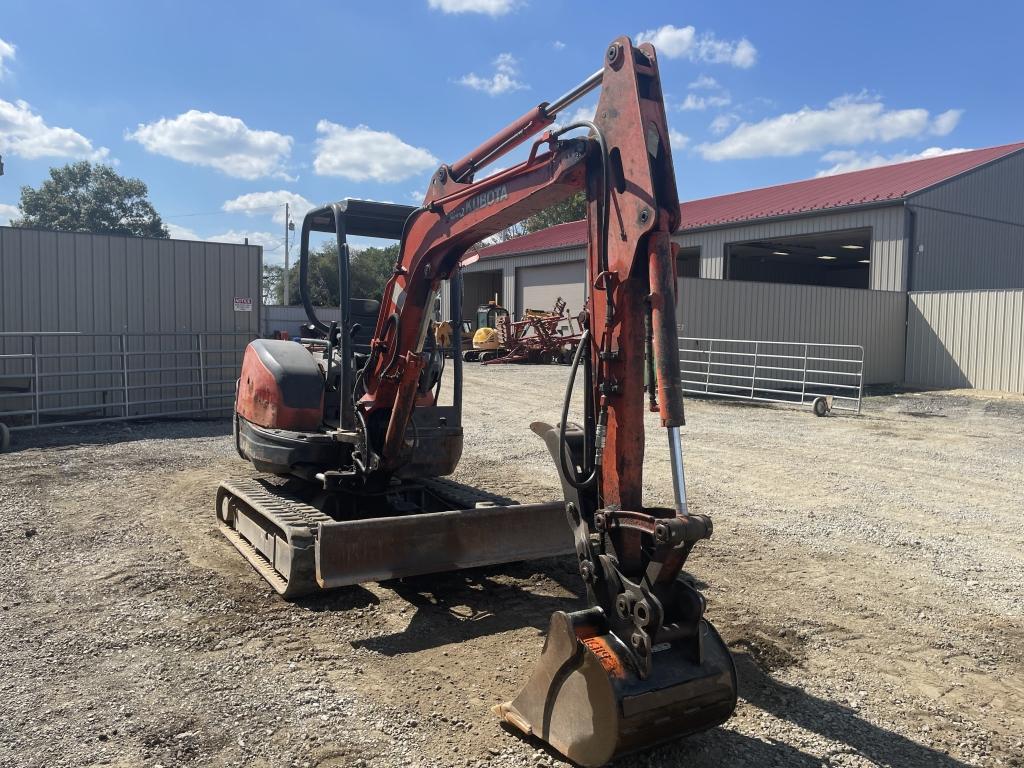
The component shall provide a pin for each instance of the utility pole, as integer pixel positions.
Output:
(286, 223)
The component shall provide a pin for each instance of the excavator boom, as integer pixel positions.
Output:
(641, 664)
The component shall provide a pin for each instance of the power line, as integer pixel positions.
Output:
(222, 212)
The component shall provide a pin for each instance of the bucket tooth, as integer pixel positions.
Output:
(587, 701)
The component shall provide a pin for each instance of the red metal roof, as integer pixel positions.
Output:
(874, 185)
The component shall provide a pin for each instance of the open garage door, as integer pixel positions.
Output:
(539, 287)
(840, 259)
(479, 288)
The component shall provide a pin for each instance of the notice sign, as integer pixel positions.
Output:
(243, 304)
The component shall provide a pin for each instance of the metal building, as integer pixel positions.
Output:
(948, 223)
(100, 327)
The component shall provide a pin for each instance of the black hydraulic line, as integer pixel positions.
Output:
(604, 213)
(440, 376)
(367, 461)
(370, 362)
(455, 306)
(570, 477)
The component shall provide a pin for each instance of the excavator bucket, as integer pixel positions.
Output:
(587, 701)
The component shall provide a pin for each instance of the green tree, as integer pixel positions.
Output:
(273, 281)
(368, 271)
(83, 197)
(572, 208)
(371, 269)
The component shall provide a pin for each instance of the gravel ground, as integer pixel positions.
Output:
(866, 571)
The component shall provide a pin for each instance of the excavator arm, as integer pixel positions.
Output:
(455, 216)
(642, 660)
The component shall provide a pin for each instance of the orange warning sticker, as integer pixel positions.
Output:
(608, 658)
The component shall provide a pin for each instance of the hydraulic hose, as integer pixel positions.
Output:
(605, 216)
(570, 476)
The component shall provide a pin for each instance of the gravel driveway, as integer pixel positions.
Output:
(866, 571)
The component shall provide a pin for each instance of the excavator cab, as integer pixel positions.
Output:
(350, 336)
(487, 339)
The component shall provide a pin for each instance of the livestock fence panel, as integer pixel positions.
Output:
(62, 378)
(797, 373)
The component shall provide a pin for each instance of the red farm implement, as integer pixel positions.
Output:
(539, 337)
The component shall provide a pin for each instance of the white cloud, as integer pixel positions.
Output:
(270, 203)
(8, 212)
(846, 121)
(506, 69)
(944, 124)
(179, 232)
(684, 43)
(693, 102)
(723, 123)
(677, 139)
(489, 7)
(271, 243)
(216, 141)
(7, 51)
(362, 154)
(416, 196)
(586, 112)
(744, 55)
(845, 161)
(26, 134)
(704, 83)
(558, 45)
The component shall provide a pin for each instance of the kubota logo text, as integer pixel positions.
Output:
(490, 197)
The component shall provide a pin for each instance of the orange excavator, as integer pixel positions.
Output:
(351, 424)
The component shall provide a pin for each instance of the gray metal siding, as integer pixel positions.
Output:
(966, 339)
(800, 313)
(106, 284)
(541, 286)
(969, 231)
(508, 266)
(291, 319)
(887, 240)
(62, 281)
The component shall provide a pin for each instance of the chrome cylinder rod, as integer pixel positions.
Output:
(575, 94)
(675, 453)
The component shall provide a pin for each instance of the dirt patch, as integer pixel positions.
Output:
(865, 571)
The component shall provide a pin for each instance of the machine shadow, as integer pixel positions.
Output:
(462, 605)
(75, 436)
(831, 721)
(344, 599)
(711, 749)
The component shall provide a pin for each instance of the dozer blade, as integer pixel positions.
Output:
(586, 700)
(299, 550)
(356, 551)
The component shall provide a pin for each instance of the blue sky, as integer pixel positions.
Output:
(227, 110)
